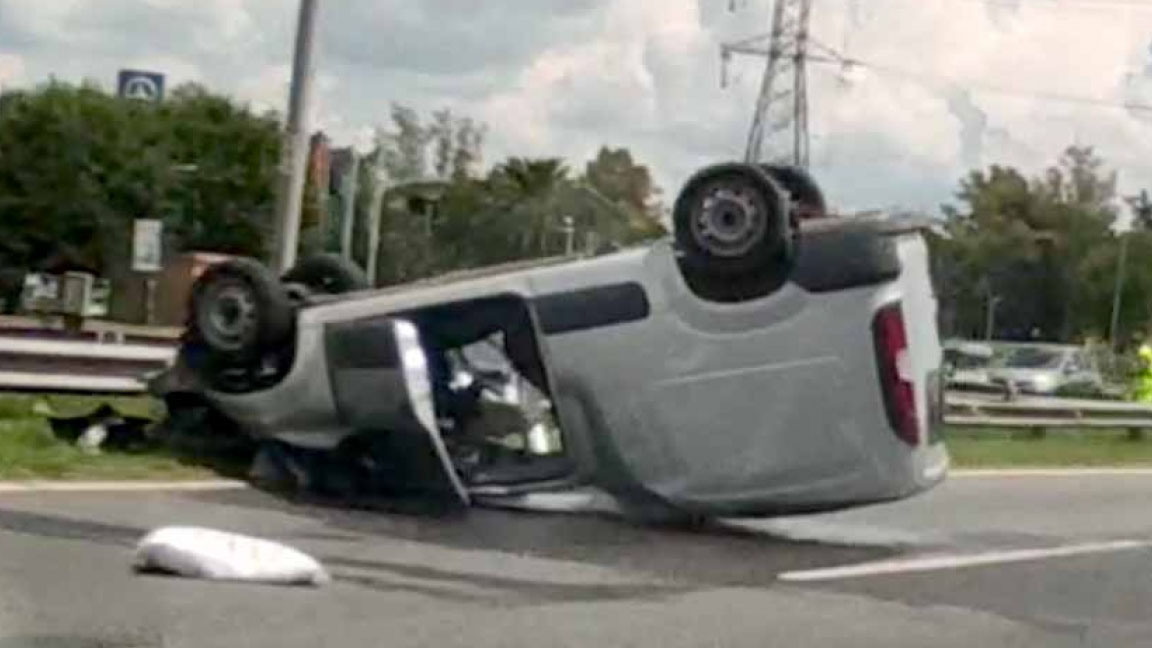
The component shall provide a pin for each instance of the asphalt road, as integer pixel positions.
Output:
(493, 578)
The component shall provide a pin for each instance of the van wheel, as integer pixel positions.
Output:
(240, 311)
(732, 220)
(804, 193)
(327, 273)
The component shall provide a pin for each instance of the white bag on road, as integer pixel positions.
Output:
(218, 555)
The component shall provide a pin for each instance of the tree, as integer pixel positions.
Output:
(530, 190)
(614, 175)
(77, 166)
(225, 203)
(1042, 247)
(405, 149)
(1141, 207)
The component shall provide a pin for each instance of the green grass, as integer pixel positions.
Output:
(15, 405)
(1014, 448)
(29, 450)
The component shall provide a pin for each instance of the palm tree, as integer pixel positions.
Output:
(530, 188)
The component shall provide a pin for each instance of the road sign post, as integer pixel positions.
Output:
(148, 258)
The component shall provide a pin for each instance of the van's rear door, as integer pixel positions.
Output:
(382, 388)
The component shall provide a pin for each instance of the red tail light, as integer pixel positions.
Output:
(894, 363)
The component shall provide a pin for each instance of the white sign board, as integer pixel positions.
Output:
(146, 245)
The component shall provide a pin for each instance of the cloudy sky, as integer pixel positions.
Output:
(953, 83)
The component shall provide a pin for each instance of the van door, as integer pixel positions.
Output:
(382, 388)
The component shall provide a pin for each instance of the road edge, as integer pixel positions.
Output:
(1103, 471)
(52, 486)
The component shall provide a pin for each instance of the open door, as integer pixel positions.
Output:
(383, 390)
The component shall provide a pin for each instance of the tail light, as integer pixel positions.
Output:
(895, 365)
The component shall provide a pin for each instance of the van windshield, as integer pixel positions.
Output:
(1032, 359)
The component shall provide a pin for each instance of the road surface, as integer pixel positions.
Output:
(986, 560)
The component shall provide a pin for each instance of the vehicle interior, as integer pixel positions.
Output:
(492, 391)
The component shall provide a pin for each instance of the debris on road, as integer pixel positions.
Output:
(196, 552)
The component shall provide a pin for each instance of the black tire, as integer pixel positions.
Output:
(732, 220)
(240, 311)
(802, 188)
(329, 274)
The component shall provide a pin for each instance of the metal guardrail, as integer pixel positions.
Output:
(1039, 413)
(30, 364)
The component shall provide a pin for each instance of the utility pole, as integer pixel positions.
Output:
(1141, 214)
(781, 113)
(989, 324)
(350, 188)
(294, 160)
(569, 230)
(1121, 268)
(379, 187)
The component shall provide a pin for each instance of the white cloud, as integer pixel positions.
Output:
(561, 77)
(11, 69)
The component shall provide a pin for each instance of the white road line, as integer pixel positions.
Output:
(117, 486)
(958, 561)
(1051, 472)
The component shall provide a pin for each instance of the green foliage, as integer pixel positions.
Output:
(29, 450)
(77, 166)
(441, 214)
(1001, 448)
(1043, 251)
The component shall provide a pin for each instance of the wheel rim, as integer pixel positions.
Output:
(729, 219)
(228, 315)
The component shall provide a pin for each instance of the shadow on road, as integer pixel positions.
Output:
(63, 528)
(716, 554)
(497, 590)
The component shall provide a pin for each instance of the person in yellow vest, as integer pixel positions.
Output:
(1142, 388)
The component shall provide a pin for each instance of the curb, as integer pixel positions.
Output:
(45, 486)
(1052, 472)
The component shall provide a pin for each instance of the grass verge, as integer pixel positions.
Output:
(29, 450)
(18, 406)
(1071, 448)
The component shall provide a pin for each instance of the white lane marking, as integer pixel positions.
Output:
(958, 561)
(831, 532)
(1051, 472)
(117, 486)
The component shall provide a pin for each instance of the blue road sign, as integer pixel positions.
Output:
(138, 84)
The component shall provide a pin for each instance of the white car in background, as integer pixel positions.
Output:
(967, 365)
(1048, 370)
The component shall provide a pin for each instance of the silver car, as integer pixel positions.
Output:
(1048, 369)
(751, 364)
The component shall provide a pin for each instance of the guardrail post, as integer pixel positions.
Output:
(1135, 434)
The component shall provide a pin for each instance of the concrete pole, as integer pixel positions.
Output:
(350, 189)
(989, 324)
(294, 160)
(1121, 267)
(379, 186)
(569, 234)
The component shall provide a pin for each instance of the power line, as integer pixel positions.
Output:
(926, 78)
(782, 104)
(1061, 5)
